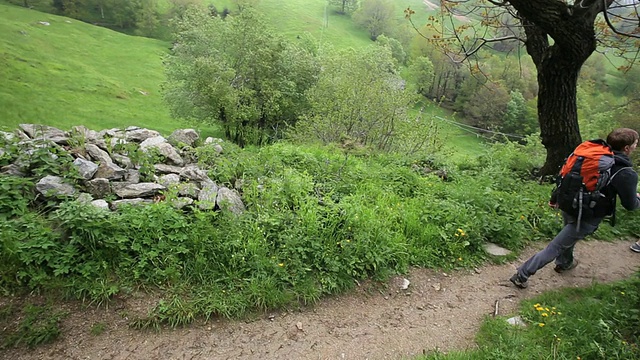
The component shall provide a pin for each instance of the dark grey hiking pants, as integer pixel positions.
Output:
(561, 247)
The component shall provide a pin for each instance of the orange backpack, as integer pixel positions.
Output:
(584, 173)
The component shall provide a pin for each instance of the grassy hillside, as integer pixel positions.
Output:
(294, 17)
(68, 73)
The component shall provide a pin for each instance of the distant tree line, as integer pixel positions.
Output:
(140, 17)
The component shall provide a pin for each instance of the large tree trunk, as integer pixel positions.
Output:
(558, 66)
(557, 110)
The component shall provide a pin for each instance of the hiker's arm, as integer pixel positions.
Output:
(626, 184)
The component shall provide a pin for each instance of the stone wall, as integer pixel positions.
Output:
(110, 170)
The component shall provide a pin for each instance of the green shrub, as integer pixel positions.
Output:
(317, 221)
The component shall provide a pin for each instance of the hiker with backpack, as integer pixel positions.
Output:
(591, 178)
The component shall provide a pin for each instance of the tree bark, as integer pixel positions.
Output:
(558, 66)
(557, 113)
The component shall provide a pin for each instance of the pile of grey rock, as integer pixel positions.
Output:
(109, 176)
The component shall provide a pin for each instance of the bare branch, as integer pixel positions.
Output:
(483, 42)
(612, 27)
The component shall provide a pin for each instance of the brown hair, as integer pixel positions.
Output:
(619, 138)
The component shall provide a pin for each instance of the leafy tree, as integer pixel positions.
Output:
(147, 18)
(448, 76)
(594, 72)
(376, 16)
(558, 35)
(344, 6)
(421, 74)
(245, 4)
(120, 14)
(358, 98)
(238, 73)
(486, 104)
(38, 4)
(628, 114)
(517, 73)
(178, 7)
(516, 118)
(397, 50)
(58, 5)
(71, 8)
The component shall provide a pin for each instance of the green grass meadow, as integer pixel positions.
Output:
(70, 73)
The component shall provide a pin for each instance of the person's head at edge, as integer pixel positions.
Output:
(623, 139)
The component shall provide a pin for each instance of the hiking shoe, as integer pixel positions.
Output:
(515, 279)
(560, 269)
(635, 247)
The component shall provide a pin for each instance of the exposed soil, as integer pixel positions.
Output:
(437, 310)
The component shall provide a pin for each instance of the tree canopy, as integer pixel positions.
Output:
(238, 73)
(559, 36)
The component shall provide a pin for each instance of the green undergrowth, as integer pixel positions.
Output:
(598, 322)
(30, 325)
(318, 220)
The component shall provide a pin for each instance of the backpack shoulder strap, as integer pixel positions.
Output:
(618, 171)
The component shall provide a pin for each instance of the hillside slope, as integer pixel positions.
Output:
(59, 71)
(63, 72)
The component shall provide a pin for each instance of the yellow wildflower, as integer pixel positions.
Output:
(281, 264)
(541, 324)
(544, 314)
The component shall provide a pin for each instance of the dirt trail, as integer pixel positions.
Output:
(437, 310)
